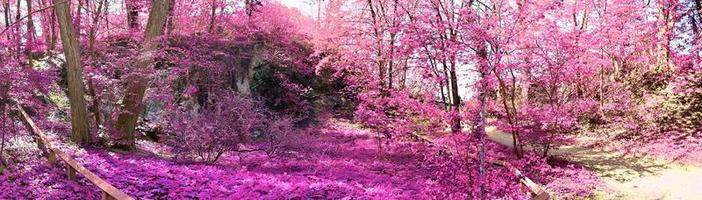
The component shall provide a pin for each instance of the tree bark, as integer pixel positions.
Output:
(666, 24)
(79, 117)
(447, 81)
(510, 112)
(213, 10)
(484, 70)
(251, 6)
(18, 29)
(137, 81)
(133, 14)
(456, 123)
(697, 24)
(30, 23)
(52, 27)
(107, 19)
(391, 61)
(403, 80)
(6, 11)
(698, 29)
(379, 45)
(91, 46)
(3, 106)
(79, 17)
(170, 24)
(93, 28)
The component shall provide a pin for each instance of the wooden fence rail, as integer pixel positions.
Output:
(535, 189)
(52, 153)
(111, 192)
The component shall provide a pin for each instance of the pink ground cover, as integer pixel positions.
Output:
(341, 162)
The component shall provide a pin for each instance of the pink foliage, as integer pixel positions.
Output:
(228, 75)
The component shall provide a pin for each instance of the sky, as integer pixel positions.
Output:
(465, 77)
(307, 7)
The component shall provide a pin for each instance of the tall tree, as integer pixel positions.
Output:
(666, 23)
(6, 12)
(251, 6)
(133, 13)
(170, 23)
(213, 16)
(30, 23)
(137, 80)
(91, 48)
(79, 116)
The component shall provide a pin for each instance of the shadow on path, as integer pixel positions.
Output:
(630, 176)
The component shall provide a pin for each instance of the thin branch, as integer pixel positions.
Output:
(27, 16)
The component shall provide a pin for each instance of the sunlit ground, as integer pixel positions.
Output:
(629, 176)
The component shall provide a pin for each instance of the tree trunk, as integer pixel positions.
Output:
(133, 14)
(79, 18)
(107, 19)
(698, 30)
(666, 24)
(79, 117)
(6, 11)
(456, 123)
(697, 24)
(483, 69)
(52, 26)
(510, 112)
(391, 60)
(404, 75)
(210, 28)
(94, 26)
(48, 23)
(91, 49)
(137, 80)
(170, 24)
(443, 94)
(447, 81)
(452, 87)
(18, 30)
(250, 6)
(30, 23)
(45, 22)
(379, 47)
(3, 162)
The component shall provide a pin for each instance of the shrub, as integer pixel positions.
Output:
(278, 134)
(214, 130)
(231, 124)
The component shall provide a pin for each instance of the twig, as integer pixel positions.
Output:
(27, 16)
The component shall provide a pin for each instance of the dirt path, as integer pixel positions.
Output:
(629, 176)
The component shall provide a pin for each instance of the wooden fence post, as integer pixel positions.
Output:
(52, 157)
(543, 195)
(71, 173)
(106, 196)
(53, 154)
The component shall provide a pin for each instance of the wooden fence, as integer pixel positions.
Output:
(111, 192)
(53, 154)
(535, 190)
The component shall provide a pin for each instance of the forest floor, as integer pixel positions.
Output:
(337, 160)
(626, 174)
(334, 160)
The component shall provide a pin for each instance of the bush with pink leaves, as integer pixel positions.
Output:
(231, 124)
